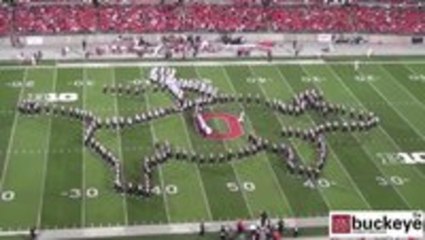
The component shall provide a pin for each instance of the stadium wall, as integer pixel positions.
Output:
(250, 37)
(309, 45)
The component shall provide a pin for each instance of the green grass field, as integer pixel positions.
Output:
(48, 179)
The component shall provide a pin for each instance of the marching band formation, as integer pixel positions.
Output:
(164, 79)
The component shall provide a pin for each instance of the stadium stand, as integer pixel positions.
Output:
(4, 21)
(136, 18)
(239, 16)
(55, 19)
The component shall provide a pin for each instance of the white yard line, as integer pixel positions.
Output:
(251, 213)
(46, 158)
(161, 176)
(398, 112)
(338, 159)
(390, 138)
(230, 83)
(392, 104)
(191, 146)
(266, 158)
(200, 181)
(120, 151)
(324, 197)
(198, 173)
(365, 149)
(406, 120)
(83, 161)
(12, 135)
(421, 175)
(164, 194)
(414, 98)
(406, 65)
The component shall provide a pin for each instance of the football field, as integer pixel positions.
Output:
(50, 180)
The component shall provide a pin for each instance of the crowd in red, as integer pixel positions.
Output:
(59, 18)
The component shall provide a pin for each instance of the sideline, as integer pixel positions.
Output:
(161, 229)
(211, 63)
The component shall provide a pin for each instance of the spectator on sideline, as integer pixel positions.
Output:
(202, 229)
(33, 233)
(223, 233)
(295, 231)
(281, 226)
(263, 218)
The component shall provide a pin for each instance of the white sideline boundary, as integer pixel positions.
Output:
(160, 229)
(213, 63)
(13, 233)
(208, 63)
(200, 63)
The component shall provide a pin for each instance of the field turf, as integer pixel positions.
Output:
(48, 179)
